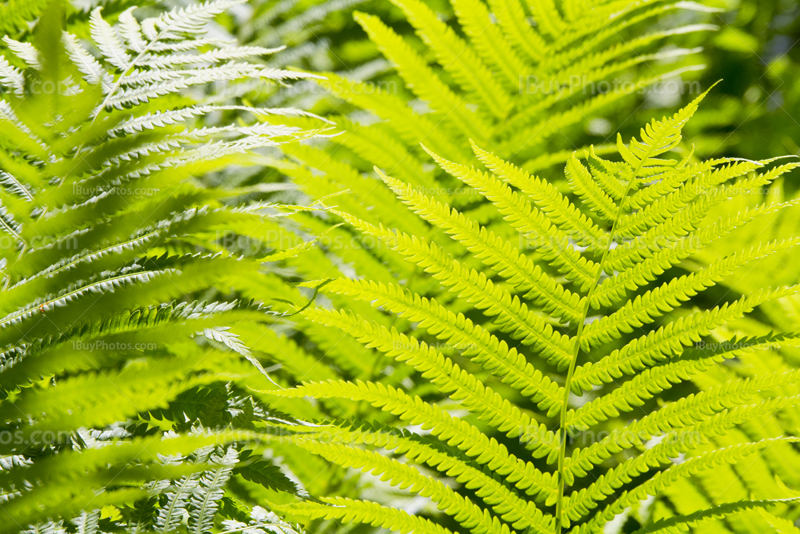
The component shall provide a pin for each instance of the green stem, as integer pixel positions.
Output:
(122, 76)
(127, 71)
(562, 428)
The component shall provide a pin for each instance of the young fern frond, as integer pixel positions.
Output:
(543, 338)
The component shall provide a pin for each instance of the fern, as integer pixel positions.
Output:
(120, 304)
(469, 79)
(196, 499)
(462, 82)
(153, 317)
(542, 338)
(507, 82)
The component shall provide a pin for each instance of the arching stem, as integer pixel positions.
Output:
(562, 428)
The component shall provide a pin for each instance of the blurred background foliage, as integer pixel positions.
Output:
(753, 112)
(755, 109)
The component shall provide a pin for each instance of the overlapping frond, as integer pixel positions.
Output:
(513, 77)
(110, 250)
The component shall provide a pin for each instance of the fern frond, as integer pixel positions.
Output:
(627, 223)
(501, 255)
(505, 502)
(109, 228)
(441, 371)
(689, 414)
(467, 513)
(457, 57)
(669, 340)
(684, 523)
(529, 221)
(547, 198)
(647, 306)
(453, 431)
(489, 43)
(689, 467)
(493, 300)
(614, 288)
(425, 83)
(481, 346)
(367, 512)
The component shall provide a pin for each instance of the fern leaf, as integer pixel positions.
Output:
(484, 348)
(108, 41)
(547, 16)
(455, 432)
(449, 377)
(395, 473)
(644, 308)
(523, 217)
(676, 525)
(425, 84)
(489, 42)
(660, 480)
(547, 198)
(367, 512)
(457, 57)
(512, 315)
(11, 78)
(204, 504)
(511, 17)
(670, 339)
(520, 271)
(91, 69)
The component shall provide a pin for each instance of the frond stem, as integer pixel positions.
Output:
(122, 76)
(562, 427)
(127, 71)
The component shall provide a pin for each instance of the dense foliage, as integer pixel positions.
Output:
(109, 241)
(419, 271)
